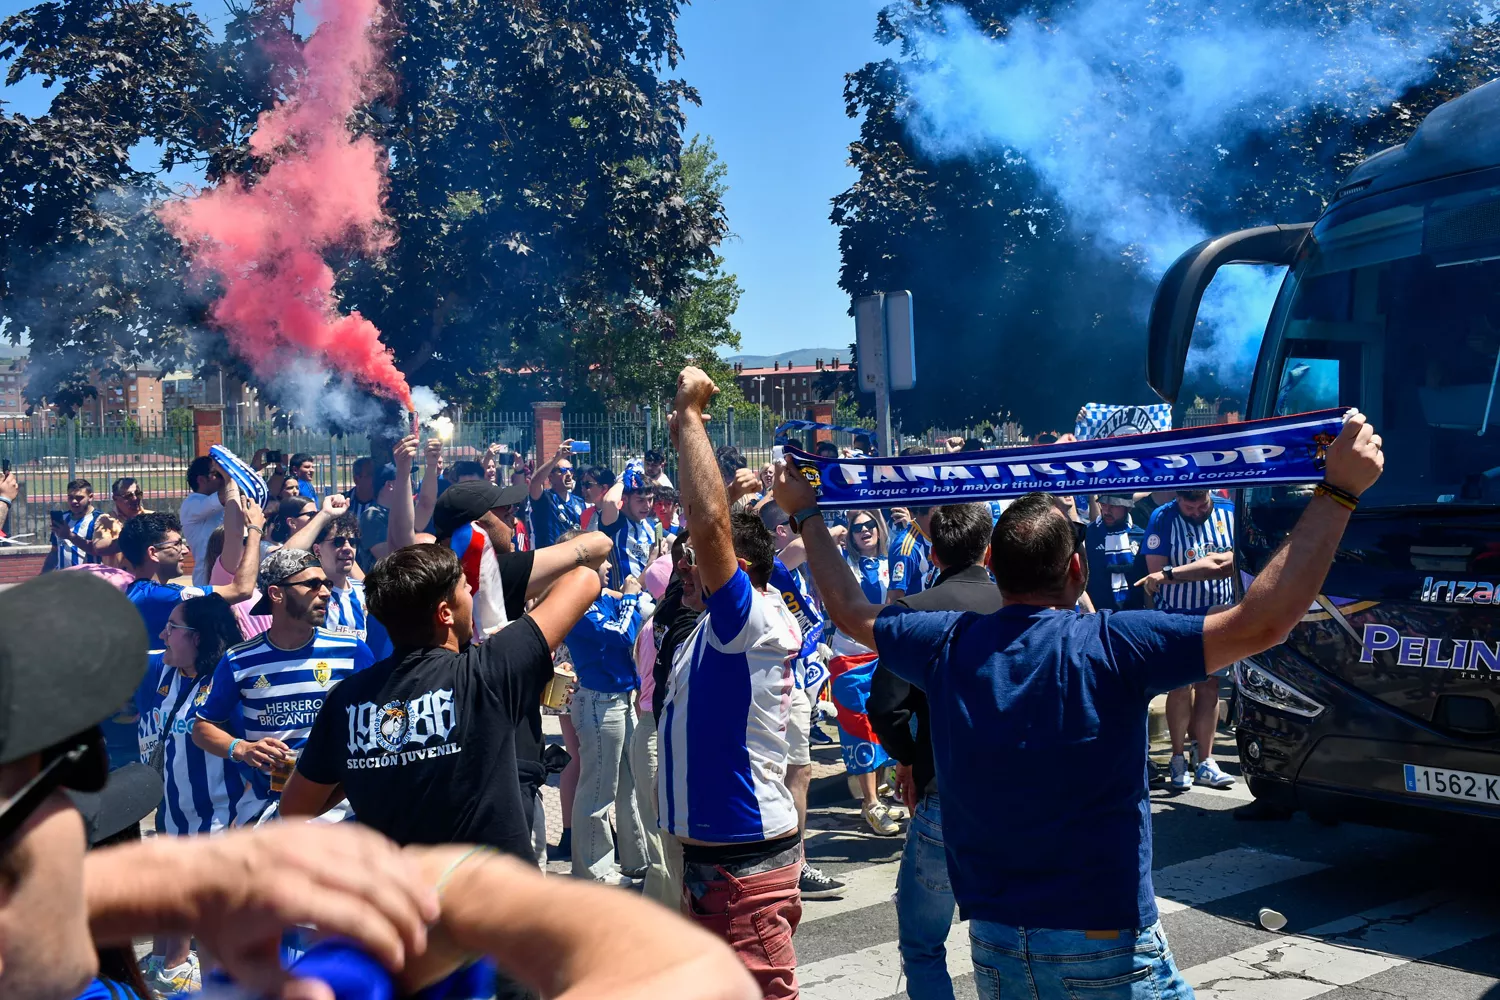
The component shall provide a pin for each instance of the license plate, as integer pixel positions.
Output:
(1446, 784)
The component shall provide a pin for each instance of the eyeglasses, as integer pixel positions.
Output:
(173, 626)
(177, 544)
(314, 584)
(81, 764)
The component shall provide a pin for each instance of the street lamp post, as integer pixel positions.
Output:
(782, 389)
(760, 415)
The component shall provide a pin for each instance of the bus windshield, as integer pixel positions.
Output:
(1396, 310)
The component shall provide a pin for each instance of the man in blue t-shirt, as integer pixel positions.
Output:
(153, 548)
(1189, 552)
(1037, 690)
(555, 508)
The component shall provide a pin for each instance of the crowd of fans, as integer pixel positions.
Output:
(384, 654)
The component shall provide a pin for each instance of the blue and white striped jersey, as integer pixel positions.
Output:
(260, 690)
(1181, 541)
(148, 708)
(911, 561)
(348, 614)
(203, 793)
(66, 553)
(633, 543)
(723, 723)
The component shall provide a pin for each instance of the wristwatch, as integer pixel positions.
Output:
(1167, 572)
(802, 515)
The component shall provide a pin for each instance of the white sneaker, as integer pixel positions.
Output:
(879, 818)
(1179, 778)
(165, 982)
(1209, 774)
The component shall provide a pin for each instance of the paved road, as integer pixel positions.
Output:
(1373, 914)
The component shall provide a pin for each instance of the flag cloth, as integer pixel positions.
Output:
(852, 676)
(1107, 420)
(1271, 452)
(246, 478)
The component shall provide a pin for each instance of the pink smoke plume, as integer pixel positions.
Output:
(323, 187)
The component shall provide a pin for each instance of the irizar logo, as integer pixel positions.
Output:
(1459, 592)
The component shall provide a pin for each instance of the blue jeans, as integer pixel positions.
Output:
(605, 722)
(924, 905)
(1074, 965)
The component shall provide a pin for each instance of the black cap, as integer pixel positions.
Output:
(513, 494)
(72, 651)
(464, 502)
(132, 792)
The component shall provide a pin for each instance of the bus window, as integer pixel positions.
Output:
(1308, 384)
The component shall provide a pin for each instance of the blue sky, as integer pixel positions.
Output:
(771, 75)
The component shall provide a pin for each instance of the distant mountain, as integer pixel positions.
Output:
(804, 356)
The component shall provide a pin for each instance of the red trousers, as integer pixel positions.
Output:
(757, 914)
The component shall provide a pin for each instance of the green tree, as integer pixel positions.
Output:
(1017, 309)
(85, 272)
(537, 186)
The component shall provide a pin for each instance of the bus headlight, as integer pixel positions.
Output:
(1260, 685)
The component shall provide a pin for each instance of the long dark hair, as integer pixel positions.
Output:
(290, 507)
(217, 627)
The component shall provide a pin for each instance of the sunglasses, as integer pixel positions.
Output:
(339, 541)
(132, 495)
(314, 584)
(1080, 535)
(863, 526)
(80, 763)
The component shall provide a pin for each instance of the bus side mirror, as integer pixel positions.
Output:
(1174, 310)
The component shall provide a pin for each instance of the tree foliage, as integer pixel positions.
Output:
(554, 235)
(1019, 310)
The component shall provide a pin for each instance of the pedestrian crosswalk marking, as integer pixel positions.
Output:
(1344, 951)
(875, 971)
(863, 887)
(1221, 875)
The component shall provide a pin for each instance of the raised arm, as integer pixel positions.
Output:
(609, 504)
(243, 585)
(704, 502)
(543, 473)
(1292, 580)
(427, 498)
(549, 564)
(565, 604)
(847, 605)
(334, 505)
(401, 530)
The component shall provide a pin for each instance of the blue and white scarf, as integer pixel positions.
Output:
(1271, 452)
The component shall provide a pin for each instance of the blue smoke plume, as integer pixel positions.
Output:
(1124, 108)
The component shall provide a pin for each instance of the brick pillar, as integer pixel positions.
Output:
(548, 429)
(208, 429)
(822, 412)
